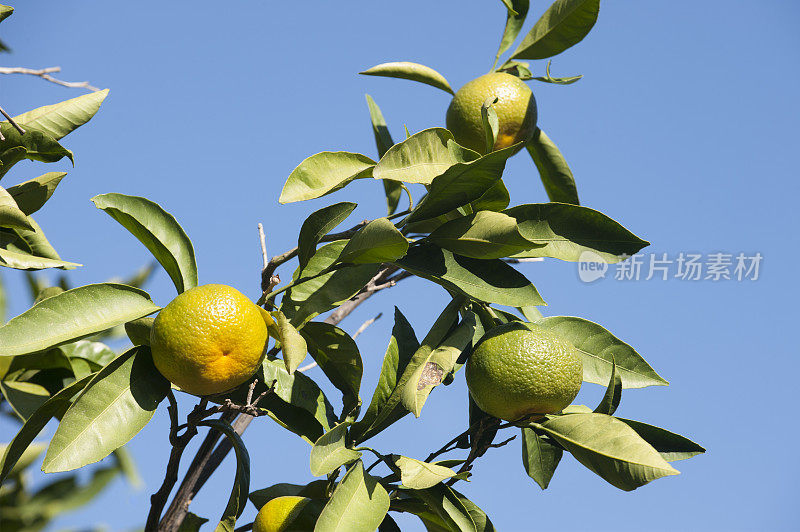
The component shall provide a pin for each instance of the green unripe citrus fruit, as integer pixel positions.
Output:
(279, 514)
(515, 107)
(209, 339)
(517, 370)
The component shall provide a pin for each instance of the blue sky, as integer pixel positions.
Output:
(683, 129)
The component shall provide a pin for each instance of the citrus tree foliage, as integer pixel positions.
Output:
(459, 231)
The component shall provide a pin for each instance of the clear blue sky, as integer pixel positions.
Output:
(684, 129)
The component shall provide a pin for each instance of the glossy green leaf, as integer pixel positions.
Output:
(422, 157)
(59, 119)
(114, 407)
(495, 199)
(320, 293)
(609, 448)
(402, 346)
(610, 401)
(138, 331)
(411, 71)
(461, 184)
(98, 353)
(323, 173)
(416, 474)
(431, 369)
(330, 451)
(600, 349)
(492, 281)
(378, 241)
(557, 81)
(383, 141)
(33, 145)
(241, 484)
(540, 457)
(567, 232)
(557, 178)
(317, 225)
(669, 445)
(292, 342)
(10, 213)
(563, 25)
(31, 241)
(297, 402)
(444, 502)
(56, 406)
(314, 489)
(23, 260)
(358, 504)
(24, 397)
(517, 11)
(337, 355)
(483, 235)
(72, 315)
(160, 233)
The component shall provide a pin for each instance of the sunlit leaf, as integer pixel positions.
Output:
(24, 397)
(540, 457)
(292, 342)
(138, 331)
(669, 445)
(10, 213)
(59, 119)
(378, 241)
(422, 157)
(330, 451)
(444, 502)
(517, 11)
(358, 504)
(557, 81)
(483, 235)
(383, 141)
(612, 397)
(324, 173)
(319, 224)
(33, 145)
(412, 71)
(417, 474)
(564, 24)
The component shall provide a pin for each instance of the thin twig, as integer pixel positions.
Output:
(528, 259)
(262, 237)
(12, 122)
(44, 73)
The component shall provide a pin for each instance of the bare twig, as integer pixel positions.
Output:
(263, 239)
(528, 259)
(12, 122)
(268, 280)
(44, 73)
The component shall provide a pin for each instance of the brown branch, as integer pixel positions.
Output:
(44, 73)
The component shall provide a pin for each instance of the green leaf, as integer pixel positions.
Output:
(563, 25)
(314, 489)
(491, 124)
(5, 12)
(26, 460)
(358, 504)
(297, 403)
(22, 260)
(483, 235)
(495, 199)
(192, 523)
(338, 356)
(479, 517)
(492, 281)
(112, 409)
(59, 119)
(317, 225)
(411, 71)
(431, 369)
(10, 213)
(378, 241)
(422, 157)
(33, 145)
(138, 331)
(567, 232)
(241, 484)
(72, 315)
(416, 474)
(517, 11)
(24, 397)
(31, 241)
(383, 141)
(330, 451)
(557, 81)
(56, 406)
(402, 345)
(609, 448)
(539, 456)
(600, 350)
(323, 173)
(554, 171)
(612, 397)
(31, 195)
(444, 502)
(320, 293)
(158, 231)
(669, 445)
(292, 342)
(96, 352)
(391, 408)
(461, 184)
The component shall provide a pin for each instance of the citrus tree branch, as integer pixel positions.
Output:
(11, 121)
(44, 73)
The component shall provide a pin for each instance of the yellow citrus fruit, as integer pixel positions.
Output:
(209, 339)
(279, 514)
(521, 369)
(515, 107)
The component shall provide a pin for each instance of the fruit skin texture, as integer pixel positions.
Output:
(521, 369)
(209, 339)
(516, 111)
(279, 513)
